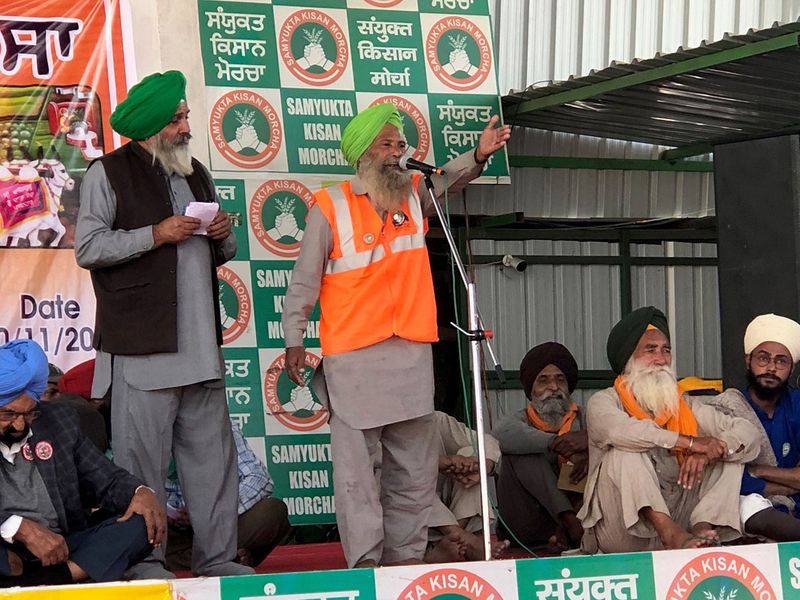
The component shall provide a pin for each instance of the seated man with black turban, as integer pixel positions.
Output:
(535, 442)
(664, 469)
(48, 468)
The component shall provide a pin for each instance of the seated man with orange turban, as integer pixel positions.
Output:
(664, 470)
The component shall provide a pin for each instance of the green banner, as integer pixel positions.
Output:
(303, 473)
(601, 576)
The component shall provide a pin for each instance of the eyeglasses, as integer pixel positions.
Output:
(8, 416)
(781, 361)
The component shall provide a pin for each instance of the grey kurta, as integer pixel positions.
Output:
(169, 402)
(361, 396)
(528, 497)
(383, 394)
(97, 245)
(633, 456)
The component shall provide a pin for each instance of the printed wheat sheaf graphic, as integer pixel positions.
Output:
(245, 118)
(731, 595)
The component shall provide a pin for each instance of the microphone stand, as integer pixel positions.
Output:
(476, 334)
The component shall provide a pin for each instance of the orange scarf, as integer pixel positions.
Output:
(542, 425)
(566, 423)
(683, 422)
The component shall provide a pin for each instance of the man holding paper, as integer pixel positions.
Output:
(157, 330)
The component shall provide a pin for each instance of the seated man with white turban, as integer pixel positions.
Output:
(664, 471)
(48, 468)
(364, 257)
(772, 348)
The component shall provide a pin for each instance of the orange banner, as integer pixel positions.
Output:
(64, 65)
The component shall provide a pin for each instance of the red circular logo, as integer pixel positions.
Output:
(277, 215)
(245, 129)
(723, 569)
(450, 582)
(43, 450)
(417, 119)
(458, 53)
(234, 324)
(26, 452)
(292, 405)
(383, 3)
(313, 47)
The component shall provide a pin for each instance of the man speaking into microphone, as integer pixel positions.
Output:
(363, 255)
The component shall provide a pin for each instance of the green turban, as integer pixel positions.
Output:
(150, 105)
(365, 127)
(625, 335)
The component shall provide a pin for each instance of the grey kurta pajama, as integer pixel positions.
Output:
(631, 467)
(169, 403)
(381, 393)
(528, 498)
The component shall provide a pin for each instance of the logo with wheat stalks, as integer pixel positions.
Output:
(245, 129)
(719, 576)
(277, 214)
(313, 47)
(723, 594)
(459, 53)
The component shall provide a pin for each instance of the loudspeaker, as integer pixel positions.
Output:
(757, 195)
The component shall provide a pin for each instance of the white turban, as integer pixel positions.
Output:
(773, 328)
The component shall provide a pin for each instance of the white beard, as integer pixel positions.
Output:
(655, 388)
(175, 158)
(387, 189)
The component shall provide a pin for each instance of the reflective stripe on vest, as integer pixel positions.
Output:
(351, 259)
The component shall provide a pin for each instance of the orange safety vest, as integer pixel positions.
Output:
(378, 281)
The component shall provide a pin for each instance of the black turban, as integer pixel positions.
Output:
(625, 335)
(549, 353)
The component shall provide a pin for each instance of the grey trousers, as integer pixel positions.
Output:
(387, 522)
(192, 423)
(528, 498)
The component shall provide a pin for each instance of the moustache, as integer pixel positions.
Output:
(181, 139)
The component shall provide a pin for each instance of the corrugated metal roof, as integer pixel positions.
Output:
(739, 87)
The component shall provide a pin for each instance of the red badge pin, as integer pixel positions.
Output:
(26, 452)
(44, 450)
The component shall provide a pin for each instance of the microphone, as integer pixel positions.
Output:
(407, 163)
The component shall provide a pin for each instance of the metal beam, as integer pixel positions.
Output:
(615, 164)
(648, 75)
(686, 151)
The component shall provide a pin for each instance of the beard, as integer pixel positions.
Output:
(552, 406)
(767, 386)
(10, 436)
(173, 154)
(387, 186)
(655, 388)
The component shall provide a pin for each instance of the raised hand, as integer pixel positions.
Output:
(492, 139)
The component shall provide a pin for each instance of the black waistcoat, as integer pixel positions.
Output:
(137, 300)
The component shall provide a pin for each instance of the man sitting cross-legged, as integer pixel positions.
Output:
(455, 526)
(664, 471)
(536, 441)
